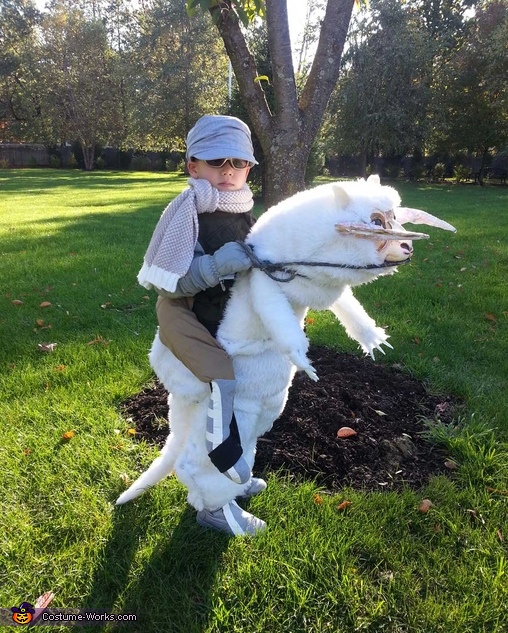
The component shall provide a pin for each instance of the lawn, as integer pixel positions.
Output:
(71, 245)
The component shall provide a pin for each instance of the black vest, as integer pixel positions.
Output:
(215, 229)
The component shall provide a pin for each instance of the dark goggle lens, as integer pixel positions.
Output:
(236, 163)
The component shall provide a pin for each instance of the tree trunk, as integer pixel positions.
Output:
(481, 171)
(88, 154)
(286, 135)
(285, 169)
(363, 164)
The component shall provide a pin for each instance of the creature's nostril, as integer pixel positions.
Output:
(407, 247)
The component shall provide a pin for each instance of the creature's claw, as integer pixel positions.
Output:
(378, 338)
(311, 373)
(301, 361)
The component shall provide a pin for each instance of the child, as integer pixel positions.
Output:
(191, 262)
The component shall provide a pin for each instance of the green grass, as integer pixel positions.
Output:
(76, 241)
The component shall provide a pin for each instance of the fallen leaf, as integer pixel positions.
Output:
(27, 451)
(40, 322)
(45, 304)
(416, 340)
(106, 305)
(451, 464)
(318, 499)
(380, 412)
(47, 347)
(343, 505)
(345, 432)
(131, 431)
(44, 600)
(125, 478)
(425, 506)
(17, 302)
(474, 514)
(68, 435)
(497, 491)
(500, 536)
(490, 317)
(60, 367)
(97, 340)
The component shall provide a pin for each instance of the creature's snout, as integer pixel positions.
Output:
(387, 228)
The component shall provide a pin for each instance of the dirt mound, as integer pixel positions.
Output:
(385, 407)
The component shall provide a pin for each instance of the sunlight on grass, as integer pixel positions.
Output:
(75, 241)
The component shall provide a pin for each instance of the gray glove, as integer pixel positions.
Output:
(206, 271)
(230, 259)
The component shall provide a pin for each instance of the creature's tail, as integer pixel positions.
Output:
(161, 467)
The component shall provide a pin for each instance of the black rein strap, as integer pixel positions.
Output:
(269, 268)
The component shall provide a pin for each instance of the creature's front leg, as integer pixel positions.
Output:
(280, 321)
(358, 324)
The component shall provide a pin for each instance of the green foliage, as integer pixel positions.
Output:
(381, 98)
(244, 10)
(54, 162)
(438, 171)
(179, 71)
(461, 173)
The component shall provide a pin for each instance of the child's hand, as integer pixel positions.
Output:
(231, 258)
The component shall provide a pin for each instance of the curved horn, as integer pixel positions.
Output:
(361, 230)
(416, 216)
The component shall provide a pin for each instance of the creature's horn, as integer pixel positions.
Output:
(416, 216)
(378, 233)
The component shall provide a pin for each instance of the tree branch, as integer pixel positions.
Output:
(326, 65)
(283, 75)
(244, 66)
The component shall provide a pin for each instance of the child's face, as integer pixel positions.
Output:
(224, 178)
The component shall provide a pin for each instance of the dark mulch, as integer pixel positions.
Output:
(385, 407)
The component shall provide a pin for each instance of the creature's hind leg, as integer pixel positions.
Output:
(177, 379)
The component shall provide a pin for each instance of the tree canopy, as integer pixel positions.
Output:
(387, 78)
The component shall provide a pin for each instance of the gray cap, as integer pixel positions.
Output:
(218, 136)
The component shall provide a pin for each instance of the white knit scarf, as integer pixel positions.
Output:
(171, 248)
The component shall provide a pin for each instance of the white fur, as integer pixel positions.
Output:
(262, 329)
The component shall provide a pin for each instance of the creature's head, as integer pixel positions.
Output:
(355, 223)
(373, 212)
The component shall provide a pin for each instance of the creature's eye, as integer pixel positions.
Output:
(377, 219)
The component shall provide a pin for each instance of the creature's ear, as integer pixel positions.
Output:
(341, 197)
(374, 180)
(416, 216)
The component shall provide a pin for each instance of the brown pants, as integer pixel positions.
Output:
(190, 341)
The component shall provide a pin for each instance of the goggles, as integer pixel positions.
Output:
(236, 163)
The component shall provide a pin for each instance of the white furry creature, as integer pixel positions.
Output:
(320, 243)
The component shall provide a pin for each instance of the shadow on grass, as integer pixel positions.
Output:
(34, 182)
(171, 589)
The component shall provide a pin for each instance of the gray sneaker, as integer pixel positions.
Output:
(256, 485)
(231, 519)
